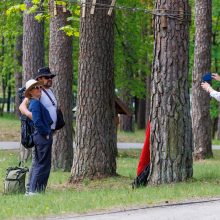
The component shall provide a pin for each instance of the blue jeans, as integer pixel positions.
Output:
(41, 163)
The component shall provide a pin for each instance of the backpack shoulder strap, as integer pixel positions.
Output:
(48, 96)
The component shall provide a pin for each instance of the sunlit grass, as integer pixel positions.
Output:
(115, 192)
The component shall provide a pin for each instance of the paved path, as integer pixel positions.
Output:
(201, 210)
(15, 145)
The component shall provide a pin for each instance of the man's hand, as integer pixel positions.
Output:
(215, 76)
(207, 87)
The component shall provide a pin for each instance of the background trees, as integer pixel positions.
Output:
(133, 44)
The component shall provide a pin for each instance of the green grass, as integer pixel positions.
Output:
(63, 198)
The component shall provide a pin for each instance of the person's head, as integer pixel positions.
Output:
(33, 89)
(44, 75)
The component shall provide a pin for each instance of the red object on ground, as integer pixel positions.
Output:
(145, 154)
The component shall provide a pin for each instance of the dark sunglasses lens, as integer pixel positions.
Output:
(48, 77)
(38, 87)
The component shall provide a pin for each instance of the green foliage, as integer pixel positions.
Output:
(133, 49)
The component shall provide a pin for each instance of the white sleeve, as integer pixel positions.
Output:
(215, 95)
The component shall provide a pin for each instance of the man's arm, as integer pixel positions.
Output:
(23, 108)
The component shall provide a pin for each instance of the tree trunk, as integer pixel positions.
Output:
(18, 74)
(126, 122)
(33, 44)
(202, 64)
(33, 48)
(171, 132)
(60, 62)
(141, 109)
(95, 150)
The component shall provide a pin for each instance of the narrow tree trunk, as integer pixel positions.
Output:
(202, 64)
(95, 125)
(171, 132)
(60, 62)
(141, 124)
(33, 44)
(18, 74)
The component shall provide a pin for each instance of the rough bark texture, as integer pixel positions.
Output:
(18, 74)
(60, 62)
(94, 154)
(33, 48)
(171, 132)
(33, 44)
(202, 63)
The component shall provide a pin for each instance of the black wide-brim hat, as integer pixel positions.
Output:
(44, 71)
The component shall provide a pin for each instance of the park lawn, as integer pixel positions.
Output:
(111, 193)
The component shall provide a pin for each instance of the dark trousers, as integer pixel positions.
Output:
(41, 163)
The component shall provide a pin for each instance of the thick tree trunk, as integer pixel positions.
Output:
(60, 62)
(171, 132)
(95, 150)
(33, 44)
(202, 64)
(33, 48)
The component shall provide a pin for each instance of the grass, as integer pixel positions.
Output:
(62, 198)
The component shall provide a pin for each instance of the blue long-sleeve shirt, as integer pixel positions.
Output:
(40, 117)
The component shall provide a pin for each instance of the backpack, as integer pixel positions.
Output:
(15, 180)
(27, 130)
(27, 126)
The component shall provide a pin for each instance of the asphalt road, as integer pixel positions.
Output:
(201, 210)
(15, 145)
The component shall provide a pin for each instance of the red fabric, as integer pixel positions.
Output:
(145, 154)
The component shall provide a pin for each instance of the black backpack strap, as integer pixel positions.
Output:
(48, 96)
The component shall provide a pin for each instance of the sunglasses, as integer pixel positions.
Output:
(37, 87)
(47, 77)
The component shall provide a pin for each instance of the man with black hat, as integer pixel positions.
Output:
(47, 99)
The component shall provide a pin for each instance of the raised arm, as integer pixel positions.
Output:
(24, 108)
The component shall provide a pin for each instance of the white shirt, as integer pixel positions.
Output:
(52, 109)
(215, 95)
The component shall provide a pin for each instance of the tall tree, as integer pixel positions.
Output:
(94, 153)
(171, 132)
(202, 64)
(60, 62)
(33, 43)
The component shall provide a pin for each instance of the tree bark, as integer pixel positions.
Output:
(33, 44)
(95, 151)
(201, 120)
(60, 62)
(171, 132)
(148, 94)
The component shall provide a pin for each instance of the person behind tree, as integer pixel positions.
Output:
(208, 88)
(42, 137)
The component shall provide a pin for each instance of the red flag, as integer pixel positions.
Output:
(145, 154)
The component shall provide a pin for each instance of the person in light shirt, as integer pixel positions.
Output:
(208, 88)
